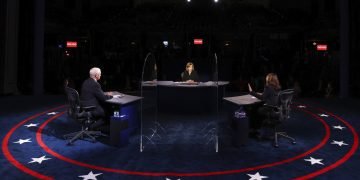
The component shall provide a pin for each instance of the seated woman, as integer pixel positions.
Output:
(190, 75)
(269, 96)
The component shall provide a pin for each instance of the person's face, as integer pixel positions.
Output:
(98, 76)
(190, 68)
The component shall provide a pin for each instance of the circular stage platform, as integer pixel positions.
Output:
(324, 142)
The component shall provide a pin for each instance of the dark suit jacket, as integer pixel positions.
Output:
(270, 96)
(92, 94)
(193, 76)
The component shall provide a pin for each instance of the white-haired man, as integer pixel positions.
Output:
(93, 95)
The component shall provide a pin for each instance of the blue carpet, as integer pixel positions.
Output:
(182, 151)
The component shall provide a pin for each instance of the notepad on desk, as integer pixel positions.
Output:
(118, 96)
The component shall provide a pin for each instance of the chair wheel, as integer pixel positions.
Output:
(69, 144)
(294, 142)
(276, 145)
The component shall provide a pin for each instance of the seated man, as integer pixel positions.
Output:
(93, 95)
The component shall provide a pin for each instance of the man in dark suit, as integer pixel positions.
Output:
(93, 95)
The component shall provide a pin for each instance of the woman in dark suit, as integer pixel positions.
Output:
(269, 96)
(190, 75)
(271, 90)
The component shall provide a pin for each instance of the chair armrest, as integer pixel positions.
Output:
(88, 108)
(271, 106)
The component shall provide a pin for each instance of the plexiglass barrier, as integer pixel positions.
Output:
(211, 126)
(149, 122)
(180, 114)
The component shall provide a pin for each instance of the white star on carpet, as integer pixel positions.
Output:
(52, 113)
(314, 161)
(339, 143)
(90, 176)
(323, 115)
(256, 176)
(22, 141)
(301, 106)
(170, 179)
(31, 125)
(339, 127)
(39, 160)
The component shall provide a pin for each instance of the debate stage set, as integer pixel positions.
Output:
(179, 90)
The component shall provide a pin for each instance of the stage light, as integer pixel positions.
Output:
(188, 0)
(216, 1)
(166, 43)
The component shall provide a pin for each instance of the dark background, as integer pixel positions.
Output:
(251, 39)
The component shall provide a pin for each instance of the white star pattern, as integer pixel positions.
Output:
(301, 106)
(22, 141)
(314, 161)
(39, 160)
(52, 113)
(170, 179)
(323, 115)
(90, 176)
(31, 125)
(339, 143)
(256, 176)
(339, 127)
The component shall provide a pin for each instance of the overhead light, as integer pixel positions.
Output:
(188, 0)
(216, 1)
(166, 43)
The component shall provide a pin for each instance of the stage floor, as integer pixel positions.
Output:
(319, 126)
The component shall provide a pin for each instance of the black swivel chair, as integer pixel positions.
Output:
(279, 115)
(82, 115)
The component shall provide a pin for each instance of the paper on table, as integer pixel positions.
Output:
(118, 96)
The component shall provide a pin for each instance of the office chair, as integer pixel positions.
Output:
(81, 115)
(279, 115)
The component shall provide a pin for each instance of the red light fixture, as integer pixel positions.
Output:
(71, 44)
(198, 41)
(322, 47)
